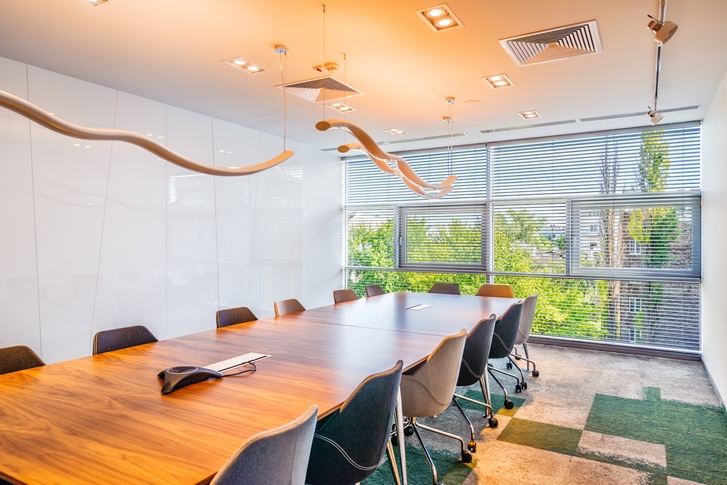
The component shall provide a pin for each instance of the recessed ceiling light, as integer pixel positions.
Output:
(440, 18)
(246, 66)
(498, 81)
(96, 2)
(529, 115)
(340, 107)
(396, 131)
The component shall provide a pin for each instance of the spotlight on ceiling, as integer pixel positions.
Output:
(654, 116)
(663, 31)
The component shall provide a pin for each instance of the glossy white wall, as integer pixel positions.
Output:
(102, 235)
(19, 318)
(714, 207)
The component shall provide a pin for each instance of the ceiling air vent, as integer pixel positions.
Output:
(320, 89)
(554, 44)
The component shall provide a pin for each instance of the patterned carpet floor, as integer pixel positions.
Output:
(590, 418)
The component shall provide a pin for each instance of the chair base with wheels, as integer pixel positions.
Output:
(465, 455)
(534, 372)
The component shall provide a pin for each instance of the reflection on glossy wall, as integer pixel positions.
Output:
(99, 235)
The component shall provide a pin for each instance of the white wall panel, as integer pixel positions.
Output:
(192, 291)
(322, 241)
(276, 267)
(714, 208)
(19, 318)
(235, 146)
(132, 287)
(70, 194)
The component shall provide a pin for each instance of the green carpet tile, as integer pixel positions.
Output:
(695, 437)
(542, 436)
(450, 470)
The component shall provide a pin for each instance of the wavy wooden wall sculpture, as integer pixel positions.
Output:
(368, 146)
(43, 118)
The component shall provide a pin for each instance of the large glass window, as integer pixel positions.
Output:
(603, 227)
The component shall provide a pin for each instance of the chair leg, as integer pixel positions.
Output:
(489, 412)
(522, 376)
(426, 453)
(462, 446)
(508, 403)
(472, 445)
(535, 372)
(518, 386)
(392, 462)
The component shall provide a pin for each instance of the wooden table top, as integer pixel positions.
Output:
(447, 315)
(102, 419)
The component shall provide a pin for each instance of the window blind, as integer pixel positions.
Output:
(605, 227)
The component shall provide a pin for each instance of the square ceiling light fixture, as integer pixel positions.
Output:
(340, 107)
(396, 131)
(440, 18)
(529, 115)
(320, 89)
(246, 66)
(498, 81)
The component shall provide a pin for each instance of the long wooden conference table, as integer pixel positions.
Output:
(102, 419)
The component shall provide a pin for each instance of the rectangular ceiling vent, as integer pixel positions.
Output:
(320, 89)
(554, 44)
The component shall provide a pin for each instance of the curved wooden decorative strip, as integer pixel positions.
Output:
(43, 118)
(381, 158)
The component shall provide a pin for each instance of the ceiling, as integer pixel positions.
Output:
(171, 51)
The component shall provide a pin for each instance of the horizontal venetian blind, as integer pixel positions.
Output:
(601, 164)
(366, 183)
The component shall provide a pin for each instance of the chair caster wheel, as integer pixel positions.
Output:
(536, 373)
(493, 422)
(509, 404)
(408, 431)
(472, 446)
(466, 457)
(524, 385)
(508, 365)
(518, 388)
(394, 440)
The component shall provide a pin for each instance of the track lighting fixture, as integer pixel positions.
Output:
(654, 116)
(663, 30)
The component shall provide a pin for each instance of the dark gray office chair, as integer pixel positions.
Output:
(427, 390)
(374, 290)
(503, 342)
(523, 333)
(287, 306)
(340, 296)
(279, 455)
(233, 316)
(121, 338)
(349, 444)
(474, 369)
(18, 357)
(445, 288)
